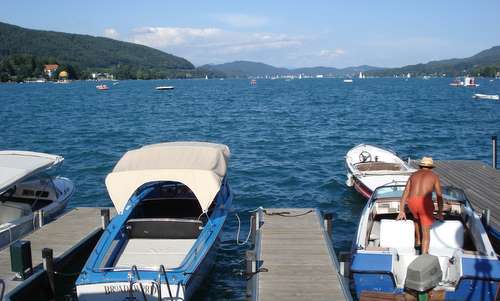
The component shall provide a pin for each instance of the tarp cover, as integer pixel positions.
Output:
(200, 166)
(16, 166)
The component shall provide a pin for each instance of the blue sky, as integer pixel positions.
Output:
(281, 33)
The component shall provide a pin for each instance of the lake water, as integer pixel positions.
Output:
(288, 138)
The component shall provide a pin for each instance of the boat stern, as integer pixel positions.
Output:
(144, 290)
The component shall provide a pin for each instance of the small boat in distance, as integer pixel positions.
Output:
(102, 87)
(369, 167)
(470, 82)
(26, 187)
(348, 80)
(172, 201)
(253, 82)
(457, 82)
(485, 96)
(163, 88)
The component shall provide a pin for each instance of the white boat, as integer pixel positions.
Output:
(470, 82)
(369, 167)
(172, 201)
(26, 187)
(348, 80)
(162, 88)
(486, 96)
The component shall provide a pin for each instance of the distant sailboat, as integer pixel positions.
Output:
(361, 75)
(206, 76)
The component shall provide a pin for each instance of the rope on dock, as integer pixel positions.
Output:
(287, 214)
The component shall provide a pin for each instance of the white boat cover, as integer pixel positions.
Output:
(16, 166)
(199, 165)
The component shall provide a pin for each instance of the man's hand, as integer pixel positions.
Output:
(439, 216)
(401, 215)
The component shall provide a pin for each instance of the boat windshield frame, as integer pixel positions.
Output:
(450, 193)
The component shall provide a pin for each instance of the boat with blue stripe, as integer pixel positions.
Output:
(461, 264)
(172, 201)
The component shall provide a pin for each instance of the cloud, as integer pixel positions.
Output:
(111, 33)
(330, 54)
(212, 44)
(242, 20)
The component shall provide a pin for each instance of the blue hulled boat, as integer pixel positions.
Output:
(462, 264)
(172, 201)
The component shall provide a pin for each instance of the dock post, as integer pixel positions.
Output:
(485, 218)
(104, 218)
(39, 214)
(494, 146)
(327, 220)
(251, 268)
(48, 266)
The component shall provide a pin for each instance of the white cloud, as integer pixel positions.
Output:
(331, 53)
(111, 33)
(202, 45)
(242, 20)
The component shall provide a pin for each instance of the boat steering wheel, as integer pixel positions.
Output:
(365, 156)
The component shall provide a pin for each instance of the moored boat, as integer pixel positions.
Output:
(163, 88)
(26, 186)
(461, 264)
(369, 167)
(486, 96)
(172, 201)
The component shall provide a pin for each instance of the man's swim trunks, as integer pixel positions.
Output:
(422, 209)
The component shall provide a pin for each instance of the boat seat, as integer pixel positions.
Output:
(399, 235)
(163, 228)
(10, 211)
(151, 253)
(446, 237)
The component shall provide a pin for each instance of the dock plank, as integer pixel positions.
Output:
(60, 235)
(295, 253)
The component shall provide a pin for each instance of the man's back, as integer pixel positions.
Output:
(422, 183)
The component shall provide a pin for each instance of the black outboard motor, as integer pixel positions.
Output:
(423, 274)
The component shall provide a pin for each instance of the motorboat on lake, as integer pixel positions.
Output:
(462, 265)
(348, 80)
(102, 87)
(26, 186)
(486, 96)
(172, 201)
(163, 88)
(369, 167)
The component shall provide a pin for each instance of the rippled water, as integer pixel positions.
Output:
(288, 138)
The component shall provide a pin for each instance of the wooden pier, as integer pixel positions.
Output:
(293, 258)
(64, 236)
(480, 182)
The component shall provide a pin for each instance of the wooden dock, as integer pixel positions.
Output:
(480, 182)
(293, 258)
(62, 235)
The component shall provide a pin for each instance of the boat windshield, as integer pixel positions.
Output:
(396, 191)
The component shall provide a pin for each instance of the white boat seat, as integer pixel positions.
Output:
(399, 235)
(446, 237)
(151, 253)
(166, 228)
(10, 211)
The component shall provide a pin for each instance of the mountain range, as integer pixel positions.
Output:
(243, 69)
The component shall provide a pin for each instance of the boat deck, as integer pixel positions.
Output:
(60, 235)
(295, 257)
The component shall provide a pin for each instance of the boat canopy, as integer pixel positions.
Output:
(199, 165)
(16, 166)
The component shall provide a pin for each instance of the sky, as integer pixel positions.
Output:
(281, 33)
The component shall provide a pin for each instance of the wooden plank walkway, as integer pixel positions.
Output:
(480, 182)
(296, 259)
(60, 235)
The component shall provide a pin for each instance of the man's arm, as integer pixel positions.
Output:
(439, 197)
(402, 214)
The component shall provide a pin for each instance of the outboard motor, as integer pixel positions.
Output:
(423, 274)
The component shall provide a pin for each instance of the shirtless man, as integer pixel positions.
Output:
(418, 195)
